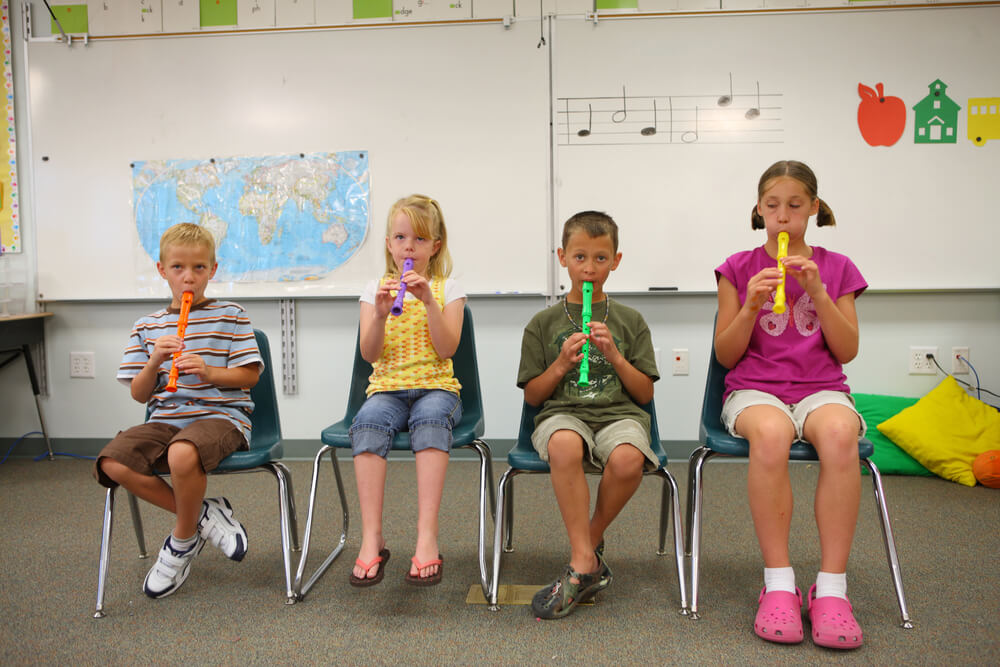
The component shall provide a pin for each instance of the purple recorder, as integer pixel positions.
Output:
(397, 305)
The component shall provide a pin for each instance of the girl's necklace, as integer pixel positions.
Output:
(607, 311)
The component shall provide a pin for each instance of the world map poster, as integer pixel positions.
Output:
(278, 218)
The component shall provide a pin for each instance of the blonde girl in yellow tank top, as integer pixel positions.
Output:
(412, 386)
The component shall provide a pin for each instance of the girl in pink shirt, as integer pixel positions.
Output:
(786, 383)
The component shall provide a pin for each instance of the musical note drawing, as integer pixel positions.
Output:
(651, 130)
(590, 122)
(690, 136)
(623, 111)
(754, 112)
(726, 100)
(695, 118)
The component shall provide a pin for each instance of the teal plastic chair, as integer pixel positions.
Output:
(716, 441)
(263, 456)
(466, 434)
(523, 459)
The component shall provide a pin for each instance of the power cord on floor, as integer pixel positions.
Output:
(43, 454)
(16, 443)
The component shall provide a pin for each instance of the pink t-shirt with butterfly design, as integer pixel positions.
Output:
(787, 355)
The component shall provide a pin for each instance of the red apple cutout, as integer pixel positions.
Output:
(881, 119)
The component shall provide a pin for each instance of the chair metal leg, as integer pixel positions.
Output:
(293, 516)
(508, 513)
(102, 568)
(140, 536)
(486, 473)
(285, 522)
(487, 503)
(670, 483)
(499, 527)
(890, 543)
(695, 493)
(664, 498)
(301, 589)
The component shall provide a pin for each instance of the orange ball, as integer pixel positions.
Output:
(986, 468)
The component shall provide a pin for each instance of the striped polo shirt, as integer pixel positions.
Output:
(219, 331)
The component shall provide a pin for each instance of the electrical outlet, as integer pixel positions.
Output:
(958, 366)
(81, 365)
(919, 363)
(682, 361)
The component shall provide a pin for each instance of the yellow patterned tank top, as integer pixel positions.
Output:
(409, 360)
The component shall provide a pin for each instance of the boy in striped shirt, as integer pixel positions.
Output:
(191, 430)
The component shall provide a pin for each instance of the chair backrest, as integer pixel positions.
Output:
(715, 385)
(465, 365)
(266, 423)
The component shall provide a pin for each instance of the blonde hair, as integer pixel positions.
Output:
(187, 233)
(594, 223)
(427, 221)
(797, 171)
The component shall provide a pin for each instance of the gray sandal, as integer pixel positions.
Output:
(560, 598)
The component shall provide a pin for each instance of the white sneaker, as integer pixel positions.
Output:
(170, 569)
(218, 526)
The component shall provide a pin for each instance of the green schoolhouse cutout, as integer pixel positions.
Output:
(936, 117)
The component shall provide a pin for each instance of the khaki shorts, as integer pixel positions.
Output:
(143, 448)
(599, 444)
(741, 399)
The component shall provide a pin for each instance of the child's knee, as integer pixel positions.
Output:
(625, 462)
(840, 455)
(109, 471)
(770, 453)
(183, 459)
(565, 447)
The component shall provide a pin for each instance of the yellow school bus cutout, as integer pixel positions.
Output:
(984, 119)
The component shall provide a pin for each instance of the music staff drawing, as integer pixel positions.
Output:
(737, 117)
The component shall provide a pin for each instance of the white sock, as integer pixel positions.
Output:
(179, 545)
(829, 584)
(779, 579)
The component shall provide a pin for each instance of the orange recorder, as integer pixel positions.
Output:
(182, 321)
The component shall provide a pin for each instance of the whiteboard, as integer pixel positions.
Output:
(910, 215)
(459, 113)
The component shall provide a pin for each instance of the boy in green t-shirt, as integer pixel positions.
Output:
(599, 426)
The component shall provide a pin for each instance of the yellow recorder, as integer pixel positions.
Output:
(779, 293)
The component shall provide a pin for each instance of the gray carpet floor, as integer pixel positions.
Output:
(234, 613)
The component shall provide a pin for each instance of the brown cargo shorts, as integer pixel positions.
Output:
(143, 448)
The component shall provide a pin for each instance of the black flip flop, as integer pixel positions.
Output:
(432, 580)
(363, 582)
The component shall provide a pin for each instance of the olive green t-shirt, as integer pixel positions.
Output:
(604, 400)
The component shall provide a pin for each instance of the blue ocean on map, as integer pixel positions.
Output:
(277, 218)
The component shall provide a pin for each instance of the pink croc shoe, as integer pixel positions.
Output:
(833, 624)
(779, 617)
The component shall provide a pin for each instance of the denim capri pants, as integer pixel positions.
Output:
(428, 414)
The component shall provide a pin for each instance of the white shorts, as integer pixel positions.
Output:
(742, 399)
(599, 445)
